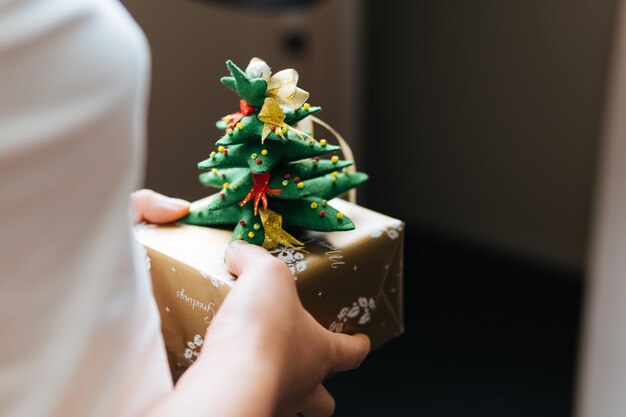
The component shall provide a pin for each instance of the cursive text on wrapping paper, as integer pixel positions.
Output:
(333, 254)
(194, 303)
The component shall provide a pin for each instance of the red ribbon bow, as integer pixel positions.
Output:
(234, 118)
(259, 190)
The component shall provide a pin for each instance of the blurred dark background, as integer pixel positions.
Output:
(478, 123)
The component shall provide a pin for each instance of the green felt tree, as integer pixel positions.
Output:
(270, 174)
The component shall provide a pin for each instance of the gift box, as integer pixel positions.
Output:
(349, 281)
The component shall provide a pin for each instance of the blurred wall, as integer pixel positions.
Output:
(190, 41)
(483, 118)
(476, 120)
(602, 364)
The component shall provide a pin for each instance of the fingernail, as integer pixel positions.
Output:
(177, 203)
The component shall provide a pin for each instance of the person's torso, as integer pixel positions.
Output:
(79, 331)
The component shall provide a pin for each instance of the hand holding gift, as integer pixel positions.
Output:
(270, 359)
(249, 336)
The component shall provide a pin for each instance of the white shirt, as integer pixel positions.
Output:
(79, 330)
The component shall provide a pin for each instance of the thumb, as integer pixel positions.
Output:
(157, 208)
(242, 257)
(348, 351)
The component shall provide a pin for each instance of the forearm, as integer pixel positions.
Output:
(222, 385)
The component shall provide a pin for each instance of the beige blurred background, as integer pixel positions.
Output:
(190, 42)
(476, 120)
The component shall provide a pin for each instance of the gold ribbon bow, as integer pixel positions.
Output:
(283, 87)
(282, 90)
(272, 117)
(274, 233)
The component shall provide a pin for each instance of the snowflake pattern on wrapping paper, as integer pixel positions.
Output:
(193, 348)
(393, 230)
(293, 257)
(361, 310)
(214, 281)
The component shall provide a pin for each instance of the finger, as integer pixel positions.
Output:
(242, 257)
(318, 404)
(157, 208)
(348, 351)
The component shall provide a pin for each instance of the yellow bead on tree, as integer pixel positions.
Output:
(250, 235)
(285, 183)
(339, 216)
(239, 237)
(263, 152)
(212, 154)
(229, 131)
(306, 106)
(256, 226)
(239, 126)
(235, 186)
(314, 205)
(214, 171)
(334, 159)
(226, 185)
(334, 173)
(286, 128)
(220, 148)
(323, 142)
(300, 185)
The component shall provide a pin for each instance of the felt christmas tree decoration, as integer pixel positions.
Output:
(271, 177)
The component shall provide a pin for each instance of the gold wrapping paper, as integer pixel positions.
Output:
(349, 281)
